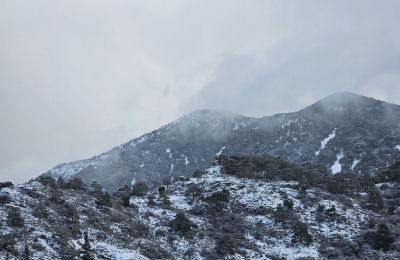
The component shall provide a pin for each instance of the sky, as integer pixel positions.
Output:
(78, 77)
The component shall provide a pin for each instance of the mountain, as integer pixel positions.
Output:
(343, 132)
(243, 207)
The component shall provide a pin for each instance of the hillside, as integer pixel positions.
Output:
(244, 207)
(342, 132)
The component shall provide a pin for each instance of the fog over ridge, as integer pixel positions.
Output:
(78, 78)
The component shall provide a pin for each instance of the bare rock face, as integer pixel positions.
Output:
(343, 132)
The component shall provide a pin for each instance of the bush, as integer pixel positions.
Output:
(198, 173)
(103, 200)
(301, 234)
(4, 199)
(47, 180)
(6, 184)
(76, 184)
(219, 199)
(227, 244)
(181, 224)
(40, 211)
(140, 188)
(14, 218)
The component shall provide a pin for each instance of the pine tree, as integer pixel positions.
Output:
(300, 234)
(86, 248)
(383, 238)
(27, 253)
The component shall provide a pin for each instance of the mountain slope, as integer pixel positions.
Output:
(343, 132)
(214, 216)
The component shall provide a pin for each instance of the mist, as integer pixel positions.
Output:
(78, 78)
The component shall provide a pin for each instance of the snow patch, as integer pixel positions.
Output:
(186, 161)
(236, 126)
(326, 141)
(337, 167)
(169, 152)
(397, 147)
(220, 151)
(355, 163)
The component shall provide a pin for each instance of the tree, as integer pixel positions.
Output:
(288, 203)
(382, 238)
(374, 201)
(4, 199)
(126, 201)
(56, 196)
(70, 213)
(61, 183)
(300, 234)
(219, 199)
(27, 254)
(47, 180)
(6, 184)
(181, 223)
(14, 218)
(226, 245)
(194, 191)
(40, 211)
(161, 191)
(281, 214)
(76, 184)
(86, 248)
(198, 173)
(96, 188)
(104, 200)
(140, 188)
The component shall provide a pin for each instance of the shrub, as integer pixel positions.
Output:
(4, 199)
(14, 218)
(140, 188)
(181, 223)
(76, 184)
(301, 234)
(6, 184)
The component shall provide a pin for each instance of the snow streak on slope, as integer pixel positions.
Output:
(220, 151)
(337, 167)
(354, 164)
(325, 142)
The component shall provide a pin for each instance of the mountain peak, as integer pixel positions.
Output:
(344, 98)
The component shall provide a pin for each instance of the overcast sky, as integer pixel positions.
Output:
(79, 77)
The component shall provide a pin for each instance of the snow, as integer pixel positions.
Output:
(172, 168)
(220, 151)
(179, 201)
(116, 253)
(138, 141)
(169, 152)
(326, 141)
(397, 147)
(133, 181)
(186, 161)
(236, 126)
(337, 167)
(355, 163)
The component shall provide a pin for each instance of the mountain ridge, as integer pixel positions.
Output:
(192, 141)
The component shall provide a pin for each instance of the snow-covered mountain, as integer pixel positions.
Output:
(343, 132)
(241, 208)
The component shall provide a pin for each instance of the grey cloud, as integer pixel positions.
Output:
(77, 78)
